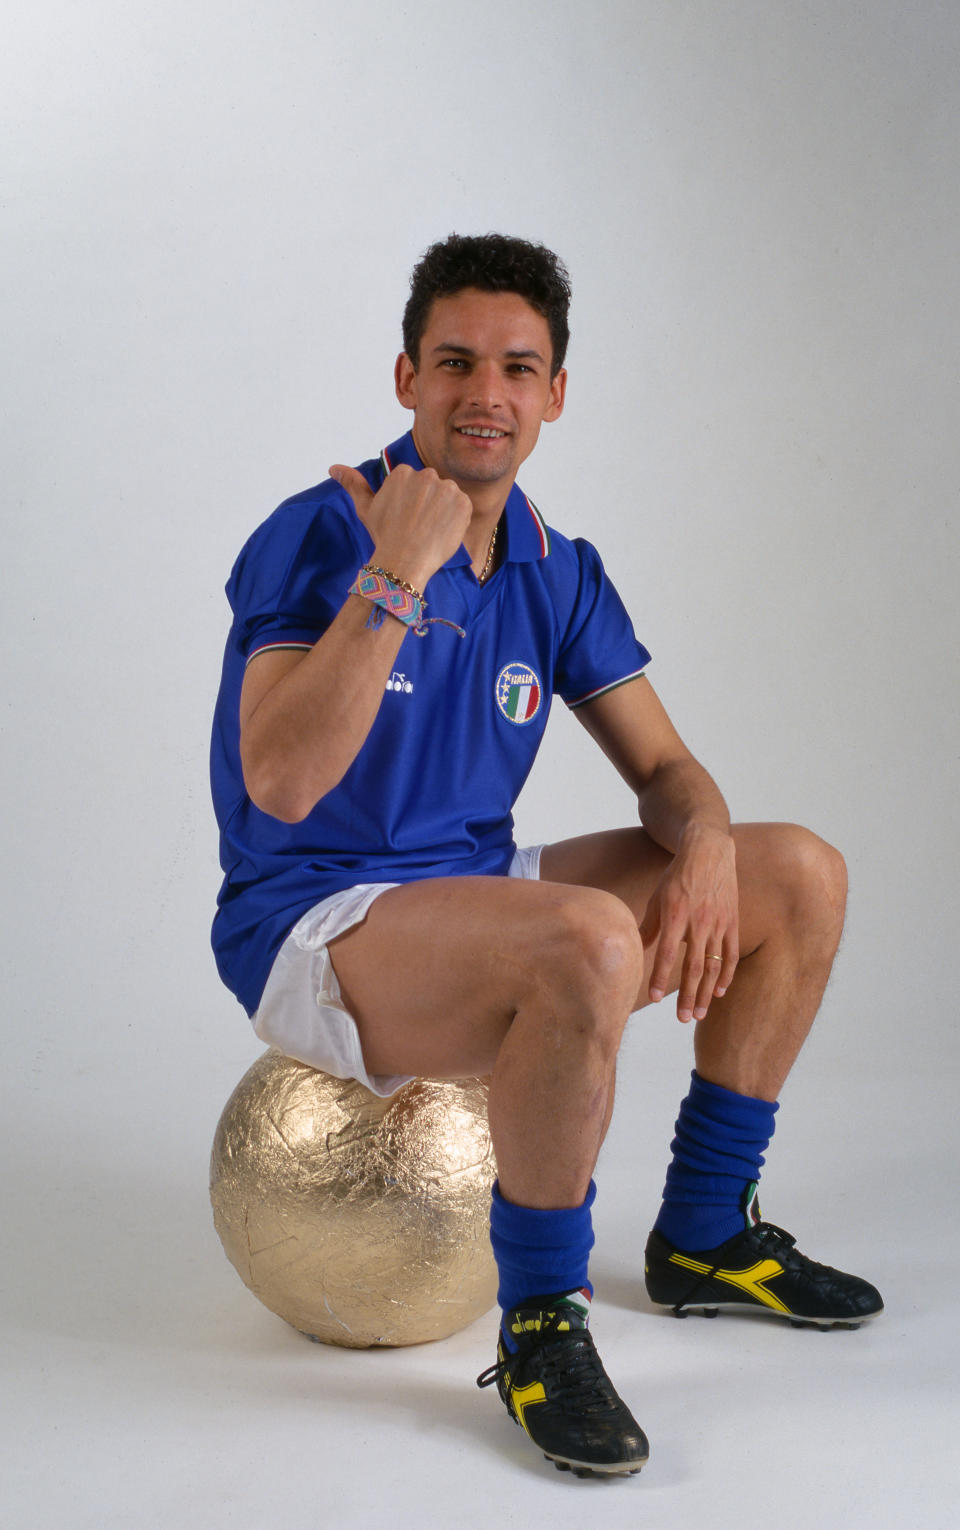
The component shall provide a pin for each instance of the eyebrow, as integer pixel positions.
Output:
(465, 350)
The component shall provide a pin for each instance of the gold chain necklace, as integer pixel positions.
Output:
(484, 573)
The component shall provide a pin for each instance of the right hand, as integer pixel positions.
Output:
(417, 520)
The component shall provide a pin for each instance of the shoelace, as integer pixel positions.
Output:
(549, 1327)
(568, 1361)
(789, 1255)
(767, 1232)
(575, 1371)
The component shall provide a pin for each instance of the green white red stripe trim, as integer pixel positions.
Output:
(603, 689)
(277, 648)
(543, 530)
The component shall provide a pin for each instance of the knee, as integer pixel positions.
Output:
(813, 875)
(595, 953)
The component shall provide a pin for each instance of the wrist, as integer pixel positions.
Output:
(403, 567)
(699, 828)
(390, 596)
(395, 580)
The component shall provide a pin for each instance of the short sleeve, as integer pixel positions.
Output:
(292, 577)
(599, 649)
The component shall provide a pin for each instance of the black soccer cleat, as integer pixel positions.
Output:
(555, 1387)
(759, 1268)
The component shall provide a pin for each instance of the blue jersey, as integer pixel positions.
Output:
(432, 790)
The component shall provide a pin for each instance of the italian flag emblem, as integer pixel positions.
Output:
(518, 693)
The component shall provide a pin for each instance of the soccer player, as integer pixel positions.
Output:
(399, 632)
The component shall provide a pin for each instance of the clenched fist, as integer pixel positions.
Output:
(417, 520)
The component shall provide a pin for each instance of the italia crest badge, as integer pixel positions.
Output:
(519, 693)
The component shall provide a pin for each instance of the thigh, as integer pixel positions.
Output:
(624, 862)
(434, 975)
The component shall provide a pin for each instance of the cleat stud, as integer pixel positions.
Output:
(711, 1312)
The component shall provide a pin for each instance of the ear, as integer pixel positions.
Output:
(405, 381)
(558, 393)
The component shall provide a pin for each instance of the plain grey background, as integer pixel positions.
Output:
(209, 216)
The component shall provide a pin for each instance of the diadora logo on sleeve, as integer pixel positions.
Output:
(519, 693)
(398, 682)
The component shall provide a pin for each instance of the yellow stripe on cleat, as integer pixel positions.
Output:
(752, 1280)
(523, 1397)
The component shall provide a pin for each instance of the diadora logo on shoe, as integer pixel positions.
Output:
(398, 682)
(533, 1325)
(519, 693)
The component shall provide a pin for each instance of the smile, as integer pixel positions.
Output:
(483, 431)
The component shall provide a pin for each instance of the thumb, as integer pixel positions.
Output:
(355, 484)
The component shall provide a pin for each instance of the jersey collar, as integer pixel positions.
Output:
(527, 535)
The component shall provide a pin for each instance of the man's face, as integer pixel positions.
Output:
(483, 387)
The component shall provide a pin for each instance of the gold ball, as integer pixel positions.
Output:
(360, 1220)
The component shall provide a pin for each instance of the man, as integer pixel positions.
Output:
(376, 919)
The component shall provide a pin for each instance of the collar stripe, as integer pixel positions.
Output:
(543, 530)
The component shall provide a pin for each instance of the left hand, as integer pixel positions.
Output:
(695, 902)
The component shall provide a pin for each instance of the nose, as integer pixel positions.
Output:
(486, 385)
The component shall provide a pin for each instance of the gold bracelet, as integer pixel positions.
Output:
(371, 568)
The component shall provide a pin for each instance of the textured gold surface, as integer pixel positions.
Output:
(359, 1220)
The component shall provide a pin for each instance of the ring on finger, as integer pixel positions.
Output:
(711, 957)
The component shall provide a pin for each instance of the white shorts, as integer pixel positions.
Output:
(301, 1011)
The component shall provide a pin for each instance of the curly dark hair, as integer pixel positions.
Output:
(493, 263)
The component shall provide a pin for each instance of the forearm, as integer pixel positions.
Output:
(303, 723)
(679, 800)
(302, 737)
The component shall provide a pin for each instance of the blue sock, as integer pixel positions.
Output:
(540, 1253)
(717, 1152)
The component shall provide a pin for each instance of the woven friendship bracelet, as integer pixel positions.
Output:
(389, 599)
(373, 568)
(405, 605)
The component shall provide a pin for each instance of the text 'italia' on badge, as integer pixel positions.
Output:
(518, 693)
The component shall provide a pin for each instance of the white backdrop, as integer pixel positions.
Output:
(209, 216)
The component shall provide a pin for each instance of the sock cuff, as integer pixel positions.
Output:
(728, 1105)
(521, 1220)
(539, 1252)
(721, 1134)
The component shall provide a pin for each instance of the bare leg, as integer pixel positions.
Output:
(529, 982)
(792, 898)
(533, 983)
